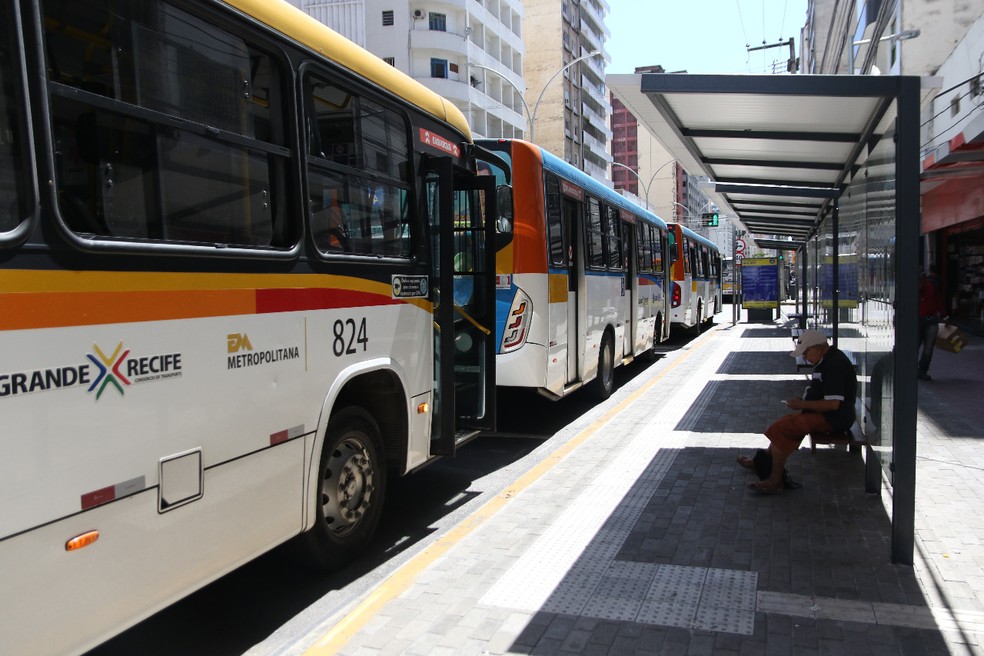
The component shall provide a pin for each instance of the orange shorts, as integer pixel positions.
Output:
(787, 432)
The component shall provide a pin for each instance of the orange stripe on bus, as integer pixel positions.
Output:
(54, 299)
(529, 224)
(60, 309)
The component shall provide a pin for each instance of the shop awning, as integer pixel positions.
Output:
(961, 155)
(779, 149)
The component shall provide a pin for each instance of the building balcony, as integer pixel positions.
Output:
(593, 143)
(465, 96)
(599, 173)
(595, 13)
(443, 6)
(438, 41)
(599, 123)
(596, 92)
(589, 36)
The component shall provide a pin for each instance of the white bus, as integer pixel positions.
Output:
(581, 285)
(695, 295)
(225, 237)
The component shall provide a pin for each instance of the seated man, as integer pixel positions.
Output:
(827, 406)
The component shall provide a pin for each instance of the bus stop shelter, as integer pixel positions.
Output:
(825, 168)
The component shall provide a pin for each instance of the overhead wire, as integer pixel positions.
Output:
(763, 22)
(742, 21)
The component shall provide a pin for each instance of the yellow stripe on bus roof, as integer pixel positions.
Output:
(295, 24)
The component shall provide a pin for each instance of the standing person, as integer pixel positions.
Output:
(827, 406)
(931, 312)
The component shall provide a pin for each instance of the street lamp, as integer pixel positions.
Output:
(686, 210)
(593, 53)
(646, 187)
(526, 107)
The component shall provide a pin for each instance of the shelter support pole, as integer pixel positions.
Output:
(801, 288)
(835, 274)
(734, 274)
(906, 320)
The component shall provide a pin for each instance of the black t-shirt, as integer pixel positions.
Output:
(834, 378)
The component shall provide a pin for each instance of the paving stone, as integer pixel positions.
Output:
(633, 543)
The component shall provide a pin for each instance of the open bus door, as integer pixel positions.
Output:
(462, 212)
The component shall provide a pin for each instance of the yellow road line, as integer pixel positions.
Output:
(403, 578)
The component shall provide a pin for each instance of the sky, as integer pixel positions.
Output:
(701, 36)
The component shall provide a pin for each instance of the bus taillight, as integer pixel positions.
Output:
(517, 323)
(675, 299)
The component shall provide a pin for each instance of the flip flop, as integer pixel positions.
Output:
(761, 488)
(746, 462)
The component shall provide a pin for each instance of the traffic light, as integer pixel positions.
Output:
(710, 219)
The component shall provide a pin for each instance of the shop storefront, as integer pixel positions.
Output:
(953, 227)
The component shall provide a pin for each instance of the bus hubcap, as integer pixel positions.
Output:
(347, 485)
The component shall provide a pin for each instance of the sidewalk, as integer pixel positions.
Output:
(637, 535)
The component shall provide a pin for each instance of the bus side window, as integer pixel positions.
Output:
(657, 250)
(357, 172)
(644, 247)
(613, 238)
(207, 165)
(555, 222)
(16, 201)
(595, 235)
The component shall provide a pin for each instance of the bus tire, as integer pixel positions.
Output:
(352, 484)
(698, 320)
(604, 382)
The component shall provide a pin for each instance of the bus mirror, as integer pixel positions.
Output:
(504, 204)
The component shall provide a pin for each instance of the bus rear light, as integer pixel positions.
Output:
(675, 300)
(81, 541)
(517, 323)
(423, 408)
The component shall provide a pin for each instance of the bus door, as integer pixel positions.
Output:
(575, 277)
(634, 313)
(462, 212)
(687, 284)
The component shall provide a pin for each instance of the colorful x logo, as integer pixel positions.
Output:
(109, 375)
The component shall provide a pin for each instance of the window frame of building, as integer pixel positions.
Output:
(439, 68)
(437, 22)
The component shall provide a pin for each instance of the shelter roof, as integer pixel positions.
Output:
(778, 149)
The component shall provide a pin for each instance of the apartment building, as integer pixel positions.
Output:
(470, 52)
(943, 41)
(565, 77)
(655, 177)
(642, 169)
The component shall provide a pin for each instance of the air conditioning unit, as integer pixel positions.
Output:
(419, 13)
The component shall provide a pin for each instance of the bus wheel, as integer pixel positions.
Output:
(352, 479)
(698, 319)
(604, 382)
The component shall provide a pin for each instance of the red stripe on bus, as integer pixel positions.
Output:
(293, 300)
(96, 497)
